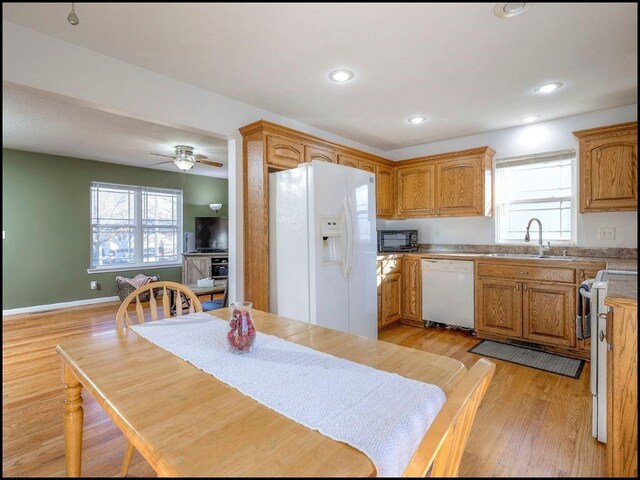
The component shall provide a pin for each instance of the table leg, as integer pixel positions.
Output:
(73, 420)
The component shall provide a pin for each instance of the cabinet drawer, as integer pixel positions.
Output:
(526, 272)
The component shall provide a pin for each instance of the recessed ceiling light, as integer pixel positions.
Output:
(530, 118)
(548, 87)
(341, 76)
(417, 119)
(508, 10)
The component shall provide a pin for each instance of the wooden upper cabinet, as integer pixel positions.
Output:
(317, 153)
(385, 192)
(284, 152)
(460, 187)
(367, 166)
(608, 163)
(548, 311)
(348, 160)
(452, 184)
(416, 186)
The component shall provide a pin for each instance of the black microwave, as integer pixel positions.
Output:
(397, 240)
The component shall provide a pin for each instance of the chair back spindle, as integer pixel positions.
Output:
(181, 295)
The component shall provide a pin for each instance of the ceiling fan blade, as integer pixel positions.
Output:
(161, 163)
(161, 155)
(199, 157)
(211, 164)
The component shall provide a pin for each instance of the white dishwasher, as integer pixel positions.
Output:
(447, 292)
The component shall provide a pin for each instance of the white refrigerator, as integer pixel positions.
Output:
(322, 247)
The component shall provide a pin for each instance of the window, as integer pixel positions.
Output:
(540, 186)
(134, 226)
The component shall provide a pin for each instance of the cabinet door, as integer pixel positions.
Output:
(317, 153)
(367, 166)
(347, 160)
(460, 187)
(499, 307)
(609, 173)
(412, 289)
(549, 313)
(416, 191)
(391, 298)
(384, 192)
(283, 153)
(196, 268)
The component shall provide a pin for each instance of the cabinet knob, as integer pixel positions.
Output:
(525, 286)
(522, 273)
(517, 287)
(588, 202)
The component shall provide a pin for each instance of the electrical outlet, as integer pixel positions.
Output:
(606, 233)
(94, 285)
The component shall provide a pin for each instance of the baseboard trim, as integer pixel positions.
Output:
(56, 306)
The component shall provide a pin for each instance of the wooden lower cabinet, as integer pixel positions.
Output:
(391, 299)
(510, 305)
(389, 272)
(547, 310)
(499, 307)
(622, 389)
(412, 290)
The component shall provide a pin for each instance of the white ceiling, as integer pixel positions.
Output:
(459, 64)
(41, 122)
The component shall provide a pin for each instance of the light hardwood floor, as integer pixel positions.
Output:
(530, 423)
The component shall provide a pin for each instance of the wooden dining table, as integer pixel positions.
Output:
(185, 422)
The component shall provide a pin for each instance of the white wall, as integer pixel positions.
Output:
(95, 80)
(529, 139)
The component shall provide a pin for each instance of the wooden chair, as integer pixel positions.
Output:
(123, 319)
(179, 291)
(440, 452)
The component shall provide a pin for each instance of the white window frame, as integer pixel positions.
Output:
(541, 157)
(138, 232)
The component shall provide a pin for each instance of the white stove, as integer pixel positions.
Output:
(599, 345)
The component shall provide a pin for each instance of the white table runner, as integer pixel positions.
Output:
(379, 413)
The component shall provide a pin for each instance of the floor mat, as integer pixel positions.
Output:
(549, 362)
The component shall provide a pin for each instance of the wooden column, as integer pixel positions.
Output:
(73, 421)
(256, 221)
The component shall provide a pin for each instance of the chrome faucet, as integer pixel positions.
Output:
(527, 238)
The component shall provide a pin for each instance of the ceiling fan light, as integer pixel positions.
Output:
(184, 163)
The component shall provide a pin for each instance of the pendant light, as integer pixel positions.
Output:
(72, 18)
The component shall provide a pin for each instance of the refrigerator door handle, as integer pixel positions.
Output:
(352, 239)
(347, 239)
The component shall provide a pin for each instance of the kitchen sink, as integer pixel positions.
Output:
(528, 255)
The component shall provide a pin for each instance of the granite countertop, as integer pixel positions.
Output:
(622, 292)
(611, 263)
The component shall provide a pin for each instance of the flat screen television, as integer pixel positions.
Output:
(212, 234)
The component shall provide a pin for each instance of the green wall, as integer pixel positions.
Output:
(45, 214)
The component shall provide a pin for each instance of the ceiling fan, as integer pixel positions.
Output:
(185, 159)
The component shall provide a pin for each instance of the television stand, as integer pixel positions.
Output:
(199, 265)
